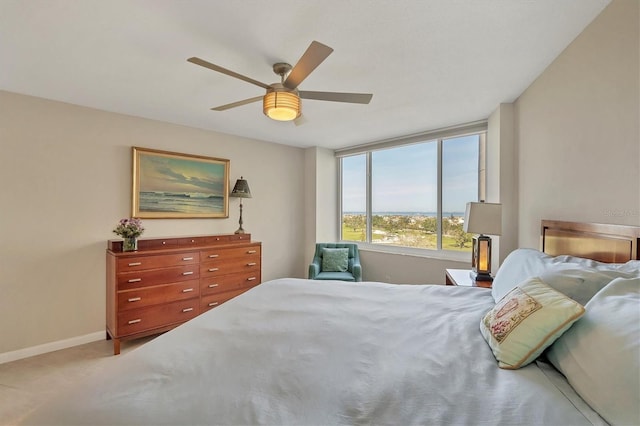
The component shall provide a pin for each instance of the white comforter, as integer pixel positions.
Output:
(318, 352)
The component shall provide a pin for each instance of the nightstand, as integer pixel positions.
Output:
(462, 277)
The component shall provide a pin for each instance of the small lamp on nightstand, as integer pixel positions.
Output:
(241, 190)
(482, 218)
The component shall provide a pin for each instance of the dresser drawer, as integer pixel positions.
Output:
(175, 274)
(138, 263)
(148, 296)
(157, 243)
(138, 320)
(191, 241)
(216, 285)
(225, 253)
(213, 300)
(218, 239)
(234, 266)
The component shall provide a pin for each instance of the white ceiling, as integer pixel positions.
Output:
(429, 63)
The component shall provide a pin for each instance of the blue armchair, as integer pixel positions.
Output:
(354, 269)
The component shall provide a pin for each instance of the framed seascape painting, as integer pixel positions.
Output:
(171, 185)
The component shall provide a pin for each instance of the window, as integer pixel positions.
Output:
(412, 192)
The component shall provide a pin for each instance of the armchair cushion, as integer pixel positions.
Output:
(336, 276)
(335, 259)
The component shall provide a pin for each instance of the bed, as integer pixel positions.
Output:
(293, 351)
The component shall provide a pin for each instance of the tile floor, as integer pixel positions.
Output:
(28, 382)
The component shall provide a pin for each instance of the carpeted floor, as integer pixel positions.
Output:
(27, 383)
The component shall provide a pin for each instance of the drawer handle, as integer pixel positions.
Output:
(135, 264)
(251, 251)
(187, 258)
(134, 299)
(213, 303)
(213, 269)
(135, 321)
(251, 278)
(188, 273)
(251, 264)
(187, 310)
(213, 256)
(187, 290)
(213, 285)
(135, 280)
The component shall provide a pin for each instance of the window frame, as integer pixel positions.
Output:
(438, 137)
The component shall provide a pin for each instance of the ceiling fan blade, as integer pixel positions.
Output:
(237, 104)
(312, 57)
(353, 98)
(214, 67)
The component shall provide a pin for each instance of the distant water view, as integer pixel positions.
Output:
(183, 202)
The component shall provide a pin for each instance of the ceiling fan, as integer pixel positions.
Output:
(282, 100)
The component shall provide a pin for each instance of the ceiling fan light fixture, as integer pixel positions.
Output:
(281, 106)
(282, 100)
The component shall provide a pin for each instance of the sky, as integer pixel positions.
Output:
(404, 179)
(160, 172)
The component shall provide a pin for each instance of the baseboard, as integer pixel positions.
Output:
(50, 347)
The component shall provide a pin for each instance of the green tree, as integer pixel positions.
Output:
(354, 221)
(379, 222)
(429, 224)
(460, 237)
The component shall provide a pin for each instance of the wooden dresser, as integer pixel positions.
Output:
(168, 281)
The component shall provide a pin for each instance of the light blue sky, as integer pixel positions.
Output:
(405, 178)
(160, 172)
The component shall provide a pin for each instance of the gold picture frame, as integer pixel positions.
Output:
(170, 185)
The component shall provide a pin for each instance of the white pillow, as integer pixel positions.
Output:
(526, 321)
(600, 354)
(576, 277)
(519, 265)
(579, 284)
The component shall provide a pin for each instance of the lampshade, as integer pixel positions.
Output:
(281, 106)
(241, 189)
(483, 218)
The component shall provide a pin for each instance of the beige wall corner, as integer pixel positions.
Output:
(502, 178)
(321, 199)
(577, 129)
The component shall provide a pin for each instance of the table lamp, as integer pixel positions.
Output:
(241, 190)
(482, 218)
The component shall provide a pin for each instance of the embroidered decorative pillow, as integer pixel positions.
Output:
(526, 321)
(335, 259)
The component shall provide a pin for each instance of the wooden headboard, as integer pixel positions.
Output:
(597, 241)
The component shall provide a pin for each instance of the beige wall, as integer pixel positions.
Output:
(66, 173)
(577, 130)
(326, 205)
(502, 179)
(321, 200)
(406, 269)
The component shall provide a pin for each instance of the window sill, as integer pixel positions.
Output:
(416, 252)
